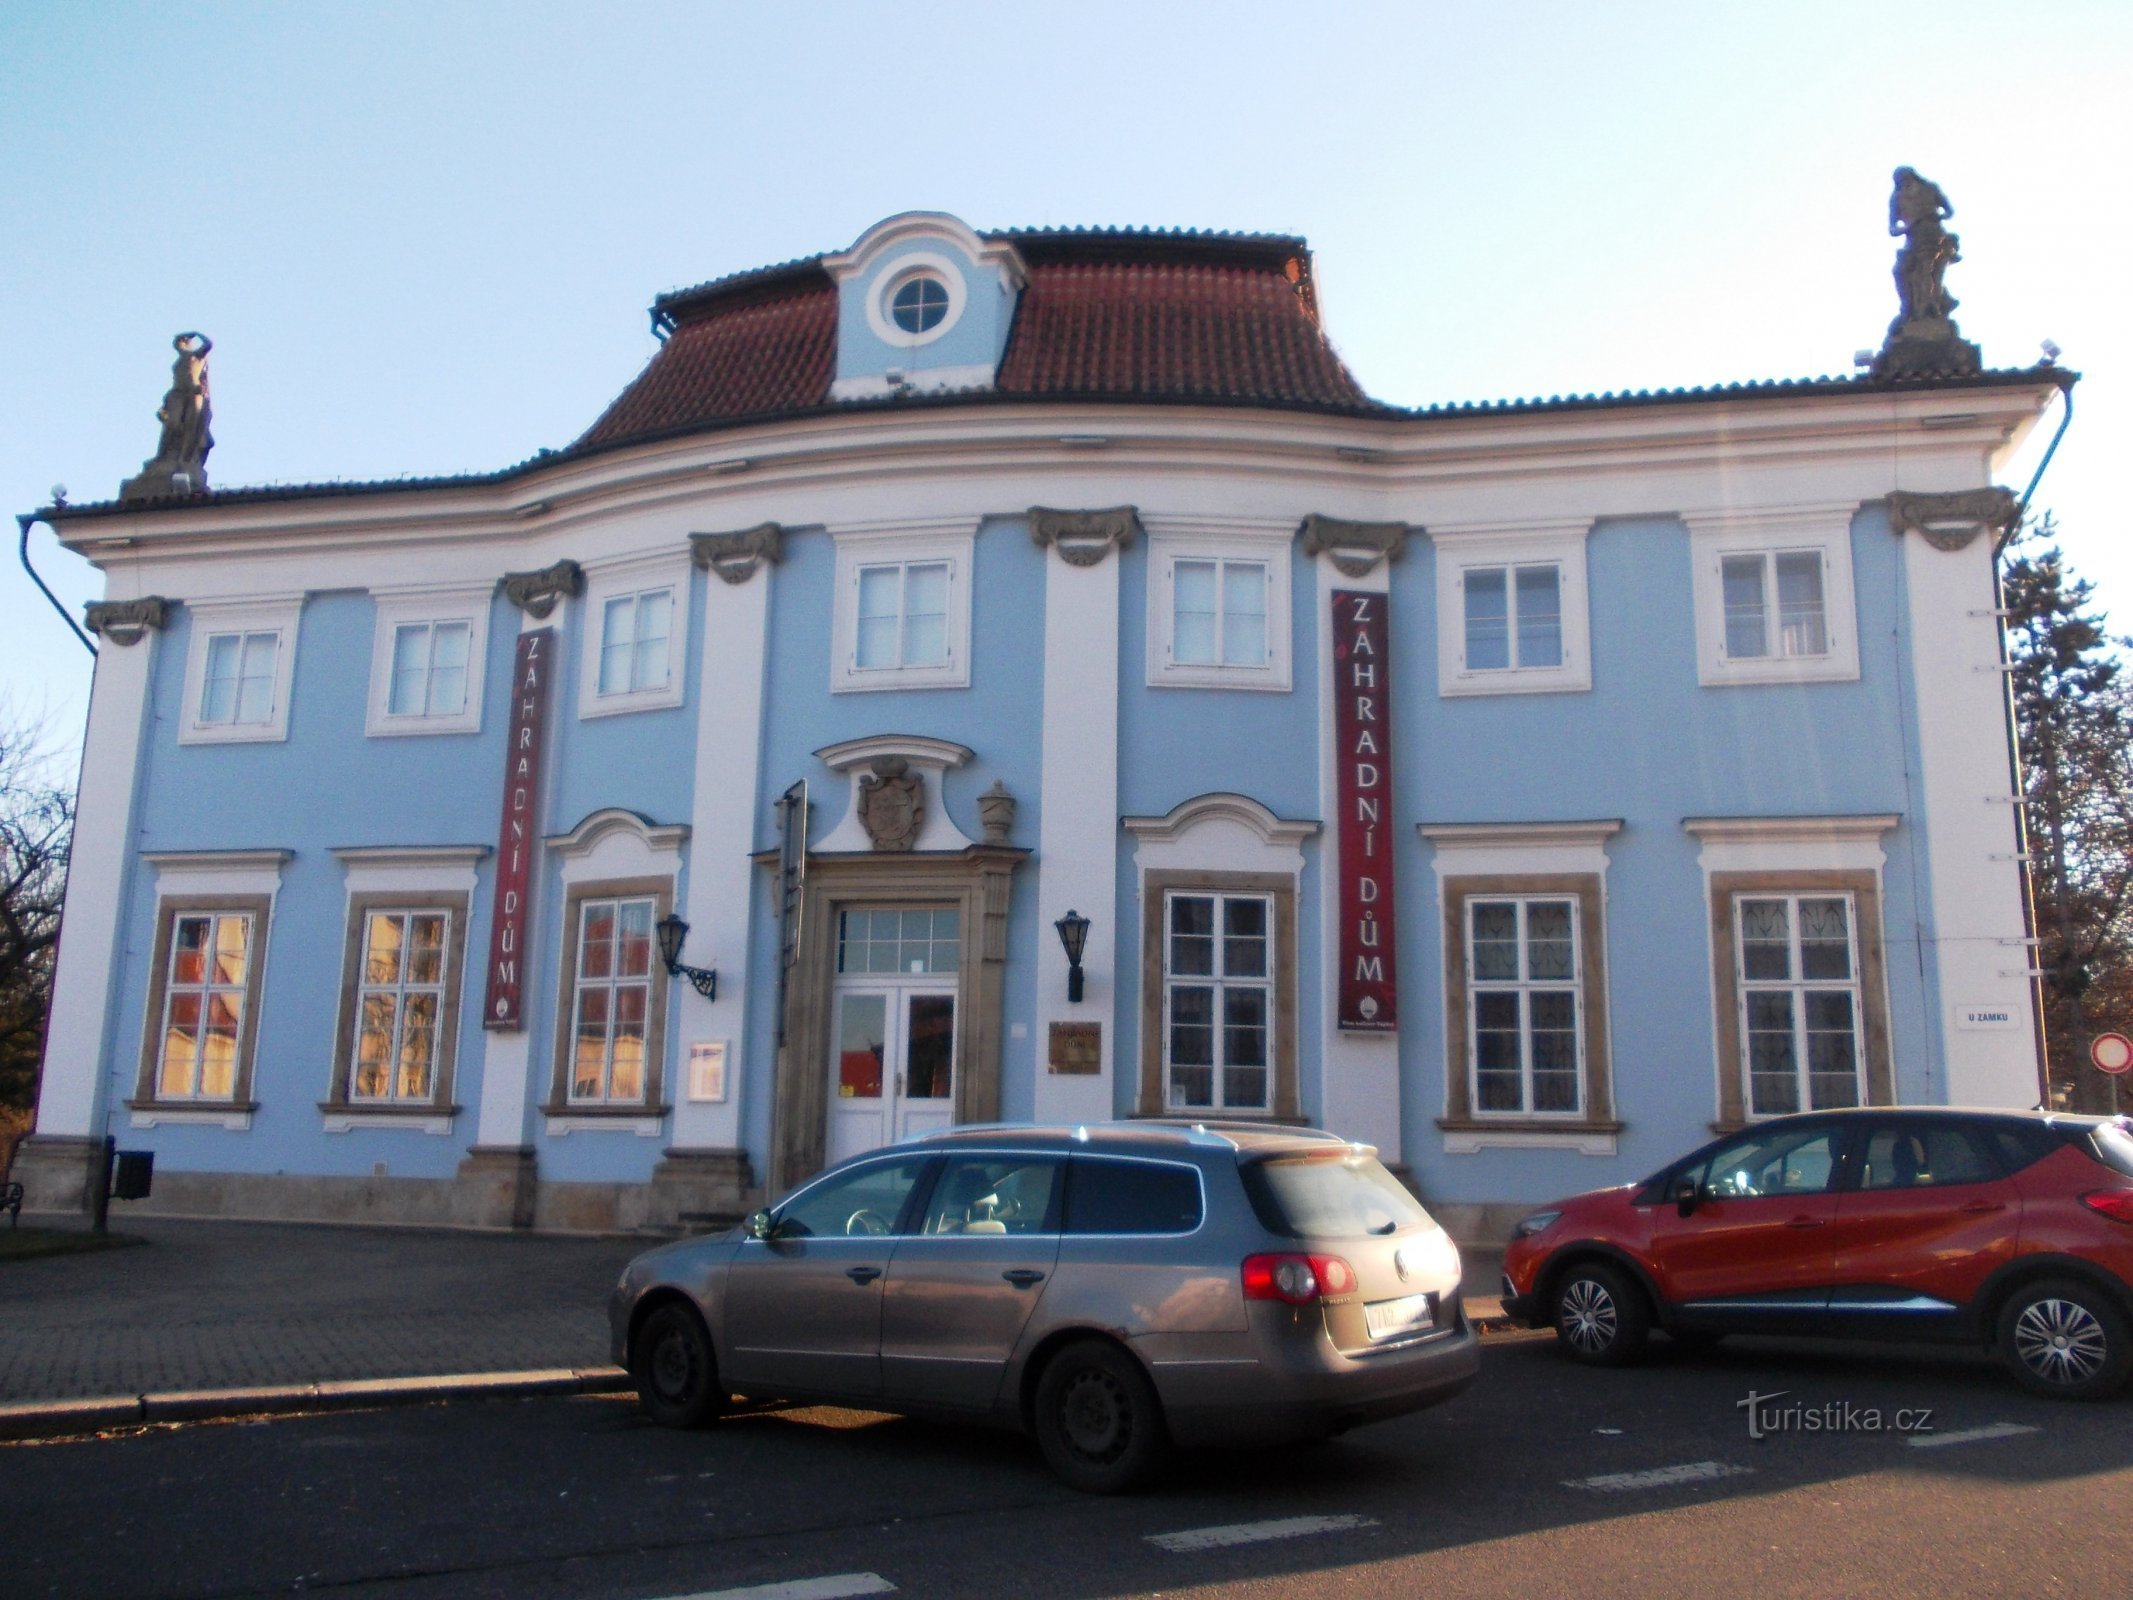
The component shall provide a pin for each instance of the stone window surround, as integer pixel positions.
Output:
(1587, 889)
(1714, 535)
(978, 882)
(559, 1105)
(434, 1114)
(278, 614)
(1557, 543)
(1157, 884)
(1864, 887)
(397, 608)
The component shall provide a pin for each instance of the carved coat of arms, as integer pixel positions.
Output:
(892, 804)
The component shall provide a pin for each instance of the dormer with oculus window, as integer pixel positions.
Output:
(923, 305)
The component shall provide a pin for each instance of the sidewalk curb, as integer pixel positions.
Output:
(66, 1419)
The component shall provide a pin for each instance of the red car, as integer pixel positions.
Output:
(2008, 1230)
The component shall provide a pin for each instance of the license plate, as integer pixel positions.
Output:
(1384, 1318)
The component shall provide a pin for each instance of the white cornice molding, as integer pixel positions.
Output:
(1460, 535)
(421, 855)
(1520, 835)
(218, 860)
(917, 748)
(1864, 829)
(1220, 807)
(660, 838)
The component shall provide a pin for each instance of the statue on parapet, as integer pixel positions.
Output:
(1923, 341)
(179, 465)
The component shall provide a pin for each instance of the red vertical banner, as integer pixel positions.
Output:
(519, 832)
(1362, 731)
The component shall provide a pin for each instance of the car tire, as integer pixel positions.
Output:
(1600, 1316)
(2065, 1339)
(675, 1368)
(1098, 1420)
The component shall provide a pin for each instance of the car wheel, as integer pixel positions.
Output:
(1098, 1420)
(1600, 1316)
(2066, 1340)
(675, 1369)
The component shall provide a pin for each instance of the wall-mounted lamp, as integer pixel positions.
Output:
(672, 931)
(1074, 934)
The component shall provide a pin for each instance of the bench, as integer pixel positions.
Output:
(11, 1198)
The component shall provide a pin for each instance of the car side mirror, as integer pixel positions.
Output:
(1686, 1195)
(761, 1225)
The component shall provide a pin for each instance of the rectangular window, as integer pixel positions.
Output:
(400, 1006)
(903, 615)
(1219, 613)
(206, 993)
(1799, 1002)
(1514, 618)
(611, 1004)
(237, 687)
(1218, 1001)
(1523, 982)
(429, 669)
(635, 635)
(899, 941)
(1773, 604)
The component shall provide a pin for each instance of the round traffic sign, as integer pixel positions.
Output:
(2112, 1052)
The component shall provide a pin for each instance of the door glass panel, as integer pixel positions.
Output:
(864, 1201)
(1923, 1156)
(994, 1195)
(1793, 1161)
(929, 1058)
(862, 1043)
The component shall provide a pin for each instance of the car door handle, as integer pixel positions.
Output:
(1023, 1277)
(862, 1274)
(1806, 1222)
(1982, 1208)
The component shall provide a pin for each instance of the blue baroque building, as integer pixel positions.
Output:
(922, 600)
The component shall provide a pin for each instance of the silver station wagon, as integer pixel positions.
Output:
(1112, 1289)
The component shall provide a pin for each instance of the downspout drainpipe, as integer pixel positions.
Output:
(26, 521)
(2065, 383)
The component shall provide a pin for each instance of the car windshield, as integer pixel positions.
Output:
(1339, 1195)
(2114, 1147)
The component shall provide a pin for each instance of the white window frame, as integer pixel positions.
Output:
(414, 608)
(209, 619)
(206, 992)
(904, 546)
(1798, 987)
(1165, 550)
(911, 264)
(1523, 986)
(1826, 530)
(1526, 544)
(613, 985)
(400, 990)
(620, 580)
(1221, 983)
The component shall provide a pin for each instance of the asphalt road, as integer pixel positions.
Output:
(1544, 1479)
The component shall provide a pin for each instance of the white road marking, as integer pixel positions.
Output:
(832, 1588)
(1256, 1532)
(1658, 1477)
(1996, 1430)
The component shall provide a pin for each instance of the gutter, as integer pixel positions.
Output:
(26, 521)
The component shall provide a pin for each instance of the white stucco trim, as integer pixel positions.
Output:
(875, 547)
(862, 758)
(279, 615)
(183, 872)
(398, 608)
(78, 1039)
(1518, 849)
(371, 869)
(1739, 530)
(1171, 540)
(642, 1127)
(916, 263)
(1560, 543)
(229, 1121)
(1239, 813)
(349, 1122)
(908, 226)
(1077, 837)
(613, 831)
(607, 580)
(1791, 844)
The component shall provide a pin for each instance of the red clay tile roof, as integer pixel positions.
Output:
(1109, 314)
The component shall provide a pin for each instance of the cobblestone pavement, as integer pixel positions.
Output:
(201, 1305)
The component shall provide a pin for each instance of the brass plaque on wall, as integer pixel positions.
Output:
(1077, 1048)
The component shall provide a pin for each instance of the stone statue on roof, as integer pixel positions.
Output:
(179, 465)
(1923, 340)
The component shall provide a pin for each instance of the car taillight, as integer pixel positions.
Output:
(1296, 1280)
(2117, 1204)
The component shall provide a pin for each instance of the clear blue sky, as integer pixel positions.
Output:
(423, 236)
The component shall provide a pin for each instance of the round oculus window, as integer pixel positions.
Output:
(919, 303)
